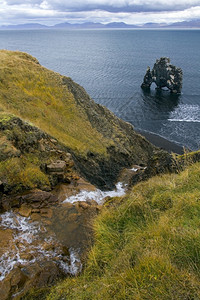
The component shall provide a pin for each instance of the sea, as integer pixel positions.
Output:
(111, 64)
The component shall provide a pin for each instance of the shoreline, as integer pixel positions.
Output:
(161, 142)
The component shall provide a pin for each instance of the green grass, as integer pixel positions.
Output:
(147, 244)
(38, 95)
(20, 174)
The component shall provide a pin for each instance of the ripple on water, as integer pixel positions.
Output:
(186, 113)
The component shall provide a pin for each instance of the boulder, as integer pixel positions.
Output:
(38, 199)
(25, 210)
(164, 75)
(58, 166)
(19, 281)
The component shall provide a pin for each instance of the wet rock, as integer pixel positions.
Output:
(12, 284)
(164, 75)
(42, 273)
(4, 203)
(35, 217)
(6, 239)
(20, 280)
(91, 202)
(25, 210)
(4, 289)
(132, 175)
(83, 205)
(147, 79)
(46, 212)
(38, 199)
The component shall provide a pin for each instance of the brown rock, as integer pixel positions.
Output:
(83, 204)
(41, 146)
(91, 202)
(13, 283)
(35, 211)
(6, 239)
(57, 166)
(53, 141)
(42, 274)
(25, 210)
(4, 289)
(46, 212)
(72, 218)
(38, 199)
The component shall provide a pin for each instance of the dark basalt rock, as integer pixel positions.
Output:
(164, 75)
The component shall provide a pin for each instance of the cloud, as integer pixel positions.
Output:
(121, 5)
(129, 11)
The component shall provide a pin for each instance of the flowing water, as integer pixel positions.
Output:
(43, 240)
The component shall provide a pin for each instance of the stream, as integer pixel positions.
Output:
(61, 236)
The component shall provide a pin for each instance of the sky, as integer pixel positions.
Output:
(50, 12)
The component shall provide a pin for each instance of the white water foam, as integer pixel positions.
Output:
(27, 240)
(97, 195)
(186, 113)
(134, 169)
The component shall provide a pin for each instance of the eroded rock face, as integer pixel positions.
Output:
(164, 75)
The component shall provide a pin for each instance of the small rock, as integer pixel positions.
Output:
(91, 202)
(53, 141)
(27, 256)
(35, 211)
(46, 212)
(83, 204)
(35, 217)
(57, 166)
(41, 146)
(25, 211)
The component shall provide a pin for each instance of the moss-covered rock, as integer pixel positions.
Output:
(26, 153)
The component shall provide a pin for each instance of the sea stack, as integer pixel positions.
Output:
(164, 75)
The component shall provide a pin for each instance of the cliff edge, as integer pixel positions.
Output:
(100, 143)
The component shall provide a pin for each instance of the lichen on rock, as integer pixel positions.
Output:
(164, 75)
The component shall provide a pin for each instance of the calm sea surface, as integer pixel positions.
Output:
(110, 65)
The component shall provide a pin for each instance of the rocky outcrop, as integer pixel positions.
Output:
(30, 158)
(164, 75)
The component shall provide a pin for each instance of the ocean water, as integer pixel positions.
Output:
(110, 65)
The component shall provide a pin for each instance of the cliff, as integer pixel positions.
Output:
(100, 143)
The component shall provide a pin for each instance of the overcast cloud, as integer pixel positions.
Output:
(77, 11)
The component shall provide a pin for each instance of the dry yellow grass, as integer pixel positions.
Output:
(38, 95)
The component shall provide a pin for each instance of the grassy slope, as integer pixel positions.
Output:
(147, 244)
(38, 95)
(101, 143)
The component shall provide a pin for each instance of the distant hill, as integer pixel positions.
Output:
(25, 26)
(186, 24)
(119, 25)
(91, 25)
(79, 26)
